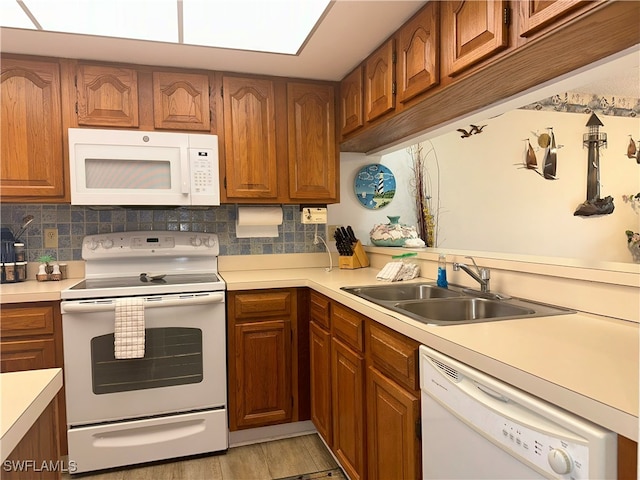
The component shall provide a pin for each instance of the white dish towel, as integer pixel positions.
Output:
(129, 328)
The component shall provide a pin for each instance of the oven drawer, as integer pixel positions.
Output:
(127, 443)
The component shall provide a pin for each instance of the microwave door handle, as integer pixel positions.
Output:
(184, 174)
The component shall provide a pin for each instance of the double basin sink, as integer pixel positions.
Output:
(434, 305)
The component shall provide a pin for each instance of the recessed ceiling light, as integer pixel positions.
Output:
(278, 26)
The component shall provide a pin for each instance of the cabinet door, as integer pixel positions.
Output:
(320, 380)
(392, 424)
(536, 14)
(31, 123)
(379, 82)
(351, 93)
(249, 138)
(261, 375)
(419, 53)
(181, 101)
(347, 382)
(107, 96)
(473, 31)
(313, 149)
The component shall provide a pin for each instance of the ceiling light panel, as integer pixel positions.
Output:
(155, 20)
(12, 15)
(278, 26)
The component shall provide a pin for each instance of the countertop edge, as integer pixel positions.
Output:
(49, 383)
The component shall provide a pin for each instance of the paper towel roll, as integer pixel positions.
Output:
(258, 221)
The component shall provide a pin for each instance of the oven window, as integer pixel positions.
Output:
(173, 356)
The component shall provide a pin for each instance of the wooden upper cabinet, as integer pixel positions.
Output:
(107, 96)
(313, 148)
(419, 53)
(32, 166)
(181, 101)
(250, 138)
(351, 93)
(473, 30)
(379, 82)
(536, 14)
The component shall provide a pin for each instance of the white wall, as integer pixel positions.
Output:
(488, 203)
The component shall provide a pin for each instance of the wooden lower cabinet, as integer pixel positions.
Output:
(320, 380)
(31, 339)
(266, 348)
(393, 422)
(347, 382)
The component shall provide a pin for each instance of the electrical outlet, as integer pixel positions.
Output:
(50, 238)
(331, 230)
(314, 215)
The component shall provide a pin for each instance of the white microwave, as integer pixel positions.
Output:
(132, 167)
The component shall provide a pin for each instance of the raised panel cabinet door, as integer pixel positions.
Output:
(31, 123)
(393, 414)
(320, 380)
(536, 14)
(21, 355)
(348, 409)
(250, 138)
(313, 148)
(107, 96)
(262, 372)
(379, 82)
(351, 96)
(24, 321)
(419, 53)
(181, 101)
(474, 30)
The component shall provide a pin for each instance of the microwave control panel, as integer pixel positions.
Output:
(204, 175)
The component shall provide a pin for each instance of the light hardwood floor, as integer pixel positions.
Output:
(261, 461)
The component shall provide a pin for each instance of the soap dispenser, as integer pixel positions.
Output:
(442, 271)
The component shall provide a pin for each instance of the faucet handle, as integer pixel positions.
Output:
(483, 273)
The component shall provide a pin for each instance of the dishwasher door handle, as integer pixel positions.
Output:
(110, 305)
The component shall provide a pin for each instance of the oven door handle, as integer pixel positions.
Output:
(181, 301)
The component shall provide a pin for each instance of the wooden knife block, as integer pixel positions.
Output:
(359, 258)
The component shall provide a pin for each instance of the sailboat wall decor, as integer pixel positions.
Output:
(594, 140)
(550, 160)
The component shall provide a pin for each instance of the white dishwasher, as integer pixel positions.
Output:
(476, 427)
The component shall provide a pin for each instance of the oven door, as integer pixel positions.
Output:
(183, 368)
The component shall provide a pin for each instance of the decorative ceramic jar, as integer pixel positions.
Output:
(392, 234)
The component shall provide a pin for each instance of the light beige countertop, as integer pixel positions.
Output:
(23, 397)
(584, 363)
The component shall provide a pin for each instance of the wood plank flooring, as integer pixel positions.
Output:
(261, 461)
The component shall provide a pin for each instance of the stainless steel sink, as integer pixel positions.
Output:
(430, 304)
(400, 292)
(462, 309)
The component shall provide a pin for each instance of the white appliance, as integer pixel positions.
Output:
(133, 167)
(172, 402)
(475, 427)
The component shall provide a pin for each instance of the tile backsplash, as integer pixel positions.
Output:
(75, 222)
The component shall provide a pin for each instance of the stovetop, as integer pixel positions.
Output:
(186, 262)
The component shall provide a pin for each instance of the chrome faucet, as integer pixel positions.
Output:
(482, 276)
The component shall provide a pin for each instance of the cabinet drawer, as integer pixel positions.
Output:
(256, 304)
(320, 309)
(21, 321)
(393, 354)
(19, 356)
(348, 326)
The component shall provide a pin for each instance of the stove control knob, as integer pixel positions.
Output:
(210, 242)
(560, 461)
(107, 243)
(196, 241)
(92, 244)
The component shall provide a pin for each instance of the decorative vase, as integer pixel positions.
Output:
(392, 234)
(634, 248)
